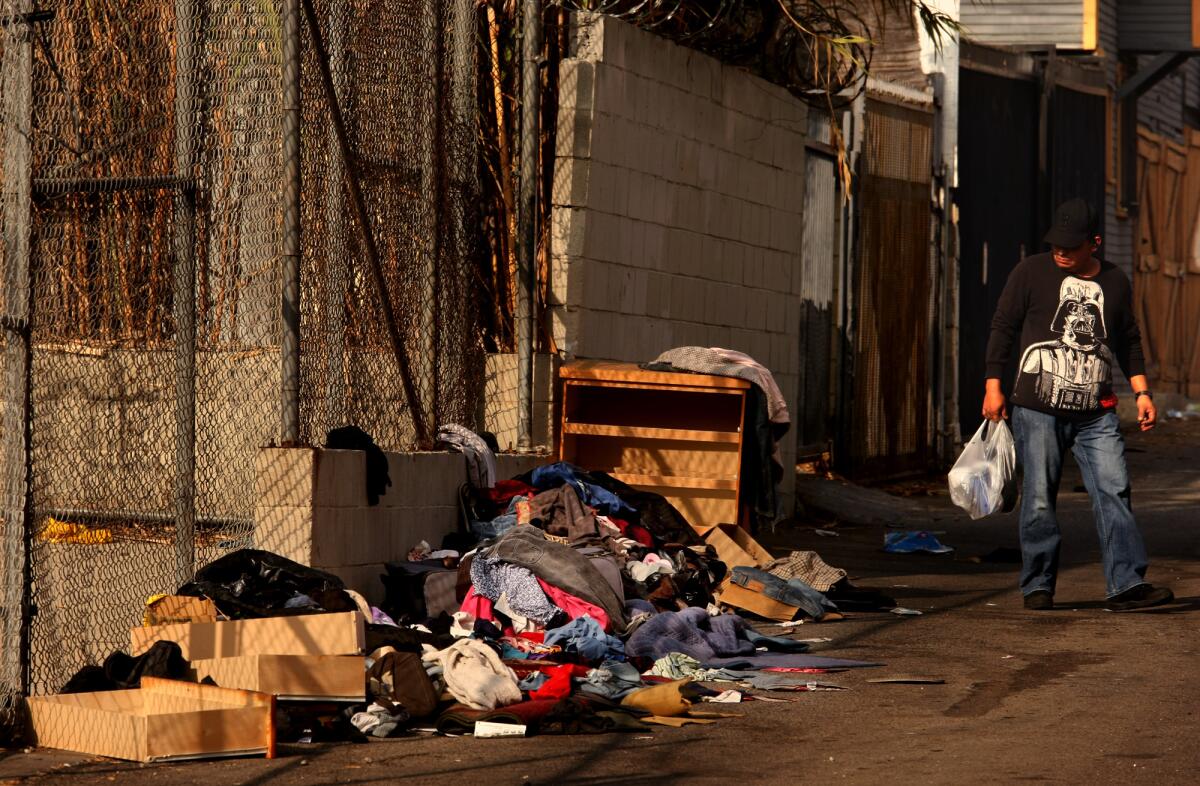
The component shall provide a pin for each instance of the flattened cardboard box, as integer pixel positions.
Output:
(755, 602)
(291, 677)
(734, 546)
(342, 633)
(161, 721)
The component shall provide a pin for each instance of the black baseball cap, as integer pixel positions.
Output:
(1074, 224)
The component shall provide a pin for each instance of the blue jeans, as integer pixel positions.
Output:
(1042, 441)
(793, 593)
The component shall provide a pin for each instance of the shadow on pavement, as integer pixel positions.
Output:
(1177, 606)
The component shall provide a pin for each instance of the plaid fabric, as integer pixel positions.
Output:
(808, 567)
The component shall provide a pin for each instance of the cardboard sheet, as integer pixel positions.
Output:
(163, 720)
(734, 546)
(755, 602)
(171, 609)
(343, 633)
(290, 677)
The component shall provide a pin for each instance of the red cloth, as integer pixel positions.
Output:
(505, 490)
(461, 719)
(526, 666)
(478, 606)
(634, 532)
(573, 606)
(558, 686)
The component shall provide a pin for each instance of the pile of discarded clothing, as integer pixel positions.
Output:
(579, 595)
(567, 602)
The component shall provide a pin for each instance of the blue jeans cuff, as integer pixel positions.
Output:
(1112, 595)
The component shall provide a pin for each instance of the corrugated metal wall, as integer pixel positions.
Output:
(1057, 23)
(820, 268)
(890, 409)
(1075, 154)
(997, 165)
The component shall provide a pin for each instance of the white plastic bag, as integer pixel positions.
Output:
(983, 480)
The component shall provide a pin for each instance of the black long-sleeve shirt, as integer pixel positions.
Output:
(1070, 330)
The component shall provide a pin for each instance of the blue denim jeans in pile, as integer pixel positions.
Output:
(1042, 442)
(794, 592)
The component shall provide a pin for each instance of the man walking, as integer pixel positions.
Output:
(1070, 316)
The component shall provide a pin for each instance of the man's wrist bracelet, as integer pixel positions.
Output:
(1139, 393)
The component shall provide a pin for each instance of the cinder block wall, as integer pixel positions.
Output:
(312, 508)
(500, 395)
(678, 196)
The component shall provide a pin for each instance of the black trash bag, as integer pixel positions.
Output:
(122, 671)
(354, 438)
(250, 583)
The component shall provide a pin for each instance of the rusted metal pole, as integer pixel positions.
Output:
(290, 256)
(184, 293)
(531, 43)
(16, 306)
(370, 249)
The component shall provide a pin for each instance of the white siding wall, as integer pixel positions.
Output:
(1025, 23)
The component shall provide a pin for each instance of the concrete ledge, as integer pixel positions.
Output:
(312, 507)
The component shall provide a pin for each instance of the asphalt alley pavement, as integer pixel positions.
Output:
(1073, 695)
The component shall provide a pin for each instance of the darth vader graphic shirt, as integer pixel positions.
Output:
(1066, 332)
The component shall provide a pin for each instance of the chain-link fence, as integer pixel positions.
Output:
(143, 161)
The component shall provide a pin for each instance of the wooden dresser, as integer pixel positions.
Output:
(676, 434)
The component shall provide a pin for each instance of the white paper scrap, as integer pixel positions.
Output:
(487, 729)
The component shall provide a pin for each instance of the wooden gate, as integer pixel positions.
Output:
(890, 422)
(1166, 281)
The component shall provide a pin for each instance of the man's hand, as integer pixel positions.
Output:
(995, 407)
(1147, 412)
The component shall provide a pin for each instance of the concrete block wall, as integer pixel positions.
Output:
(500, 399)
(678, 198)
(312, 508)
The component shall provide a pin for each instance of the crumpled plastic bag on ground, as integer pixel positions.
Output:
(983, 480)
(905, 542)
